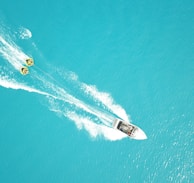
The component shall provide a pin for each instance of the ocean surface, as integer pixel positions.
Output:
(96, 61)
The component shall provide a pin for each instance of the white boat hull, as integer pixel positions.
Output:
(129, 129)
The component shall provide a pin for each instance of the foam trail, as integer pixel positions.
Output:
(87, 122)
(78, 111)
(99, 97)
(61, 94)
(80, 120)
(94, 129)
(18, 86)
(64, 97)
(13, 49)
(12, 53)
(105, 99)
(12, 60)
(102, 99)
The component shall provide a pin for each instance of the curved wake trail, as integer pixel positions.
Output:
(98, 122)
(12, 53)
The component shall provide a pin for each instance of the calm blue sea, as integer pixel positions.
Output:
(140, 52)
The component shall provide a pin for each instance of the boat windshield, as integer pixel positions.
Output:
(125, 128)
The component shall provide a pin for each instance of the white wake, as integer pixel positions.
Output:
(97, 121)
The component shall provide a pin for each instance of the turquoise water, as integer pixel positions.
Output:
(140, 53)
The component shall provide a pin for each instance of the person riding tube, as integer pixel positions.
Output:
(24, 71)
(29, 62)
